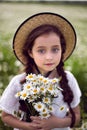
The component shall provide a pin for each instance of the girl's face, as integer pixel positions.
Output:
(46, 52)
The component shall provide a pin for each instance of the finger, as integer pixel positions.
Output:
(38, 126)
(34, 125)
(36, 121)
(35, 118)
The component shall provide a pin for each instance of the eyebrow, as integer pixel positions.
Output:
(52, 46)
(56, 46)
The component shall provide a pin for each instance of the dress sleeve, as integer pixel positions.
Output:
(8, 102)
(75, 88)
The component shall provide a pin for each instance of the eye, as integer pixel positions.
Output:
(42, 51)
(55, 50)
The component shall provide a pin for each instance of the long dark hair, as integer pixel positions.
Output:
(43, 29)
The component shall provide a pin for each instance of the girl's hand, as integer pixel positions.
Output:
(16, 123)
(31, 126)
(44, 124)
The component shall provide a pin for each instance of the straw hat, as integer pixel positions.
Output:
(39, 19)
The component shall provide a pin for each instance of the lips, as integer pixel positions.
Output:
(49, 64)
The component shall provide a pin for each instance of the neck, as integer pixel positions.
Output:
(38, 72)
(50, 74)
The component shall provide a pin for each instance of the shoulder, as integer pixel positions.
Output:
(8, 102)
(69, 74)
(19, 77)
(15, 81)
(71, 79)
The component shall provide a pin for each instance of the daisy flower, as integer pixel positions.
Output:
(27, 86)
(30, 98)
(39, 106)
(23, 95)
(35, 90)
(55, 80)
(30, 76)
(61, 108)
(51, 109)
(45, 81)
(44, 114)
(43, 89)
(46, 100)
(50, 88)
(17, 94)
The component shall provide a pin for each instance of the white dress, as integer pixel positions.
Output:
(10, 104)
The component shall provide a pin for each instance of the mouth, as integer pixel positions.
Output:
(49, 64)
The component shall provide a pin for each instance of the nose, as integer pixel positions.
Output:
(49, 56)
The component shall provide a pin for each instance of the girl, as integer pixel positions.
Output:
(42, 43)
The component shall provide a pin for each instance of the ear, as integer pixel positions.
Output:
(30, 53)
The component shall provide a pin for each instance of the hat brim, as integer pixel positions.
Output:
(39, 19)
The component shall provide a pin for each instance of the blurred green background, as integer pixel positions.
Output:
(13, 14)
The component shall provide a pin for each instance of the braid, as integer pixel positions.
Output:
(67, 93)
(29, 68)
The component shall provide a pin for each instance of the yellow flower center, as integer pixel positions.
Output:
(46, 100)
(30, 76)
(44, 114)
(62, 108)
(44, 110)
(54, 80)
(50, 108)
(34, 80)
(41, 79)
(24, 94)
(18, 93)
(45, 81)
(50, 88)
(39, 106)
(42, 89)
(28, 86)
(35, 90)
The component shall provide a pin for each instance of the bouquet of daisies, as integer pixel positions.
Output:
(38, 93)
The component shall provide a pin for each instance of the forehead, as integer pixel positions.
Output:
(47, 39)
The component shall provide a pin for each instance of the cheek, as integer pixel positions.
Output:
(37, 59)
(59, 55)
(58, 58)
